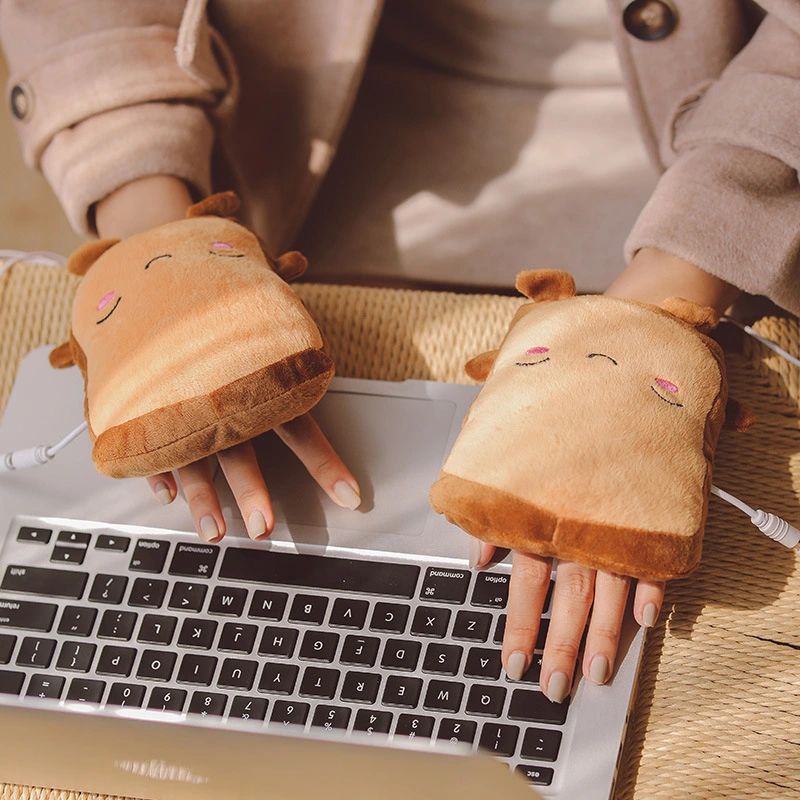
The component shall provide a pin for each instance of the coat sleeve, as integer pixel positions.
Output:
(729, 199)
(105, 92)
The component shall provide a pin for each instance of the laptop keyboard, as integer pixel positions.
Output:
(271, 637)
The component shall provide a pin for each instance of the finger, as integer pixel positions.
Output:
(602, 638)
(244, 476)
(198, 487)
(572, 599)
(164, 487)
(480, 553)
(305, 439)
(530, 580)
(647, 602)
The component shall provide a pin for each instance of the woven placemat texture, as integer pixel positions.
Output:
(717, 712)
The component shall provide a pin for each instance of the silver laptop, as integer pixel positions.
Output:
(352, 655)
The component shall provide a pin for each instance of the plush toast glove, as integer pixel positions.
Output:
(593, 437)
(190, 341)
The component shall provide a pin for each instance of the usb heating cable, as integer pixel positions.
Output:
(36, 456)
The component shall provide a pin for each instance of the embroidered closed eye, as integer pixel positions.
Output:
(105, 301)
(603, 355)
(534, 351)
(164, 255)
(667, 386)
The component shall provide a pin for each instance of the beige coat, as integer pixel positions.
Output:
(257, 101)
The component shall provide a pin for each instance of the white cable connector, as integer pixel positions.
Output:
(36, 456)
(779, 530)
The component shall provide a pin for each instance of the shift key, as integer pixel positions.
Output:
(27, 615)
(44, 581)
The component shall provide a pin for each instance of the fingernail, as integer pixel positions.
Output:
(209, 532)
(474, 552)
(598, 670)
(650, 615)
(256, 525)
(557, 687)
(162, 493)
(346, 495)
(517, 662)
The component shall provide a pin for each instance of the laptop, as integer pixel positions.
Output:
(352, 655)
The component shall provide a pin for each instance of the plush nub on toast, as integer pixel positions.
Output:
(593, 437)
(190, 341)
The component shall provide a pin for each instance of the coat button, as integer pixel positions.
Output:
(21, 101)
(649, 20)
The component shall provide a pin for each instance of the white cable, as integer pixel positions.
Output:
(44, 257)
(779, 530)
(766, 342)
(36, 456)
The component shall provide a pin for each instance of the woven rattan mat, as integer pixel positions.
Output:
(717, 714)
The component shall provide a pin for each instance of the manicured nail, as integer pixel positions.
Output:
(557, 687)
(256, 525)
(346, 495)
(209, 532)
(474, 552)
(650, 615)
(162, 493)
(517, 662)
(598, 670)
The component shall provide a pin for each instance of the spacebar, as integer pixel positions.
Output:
(319, 572)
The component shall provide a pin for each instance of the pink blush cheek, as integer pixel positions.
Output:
(221, 245)
(667, 385)
(533, 351)
(105, 301)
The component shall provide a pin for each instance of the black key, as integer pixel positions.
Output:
(457, 730)
(308, 608)
(77, 621)
(157, 629)
(330, 717)
(237, 674)
(117, 625)
(126, 695)
(347, 613)
(237, 638)
(443, 696)
(108, 589)
(277, 642)
(360, 651)
(486, 700)
(50, 686)
(117, 661)
(490, 590)
(36, 652)
(208, 704)
(86, 691)
(290, 713)
(37, 535)
(500, 629)
(370, 722)
(197, 633)
(401, 655)
(248, 709)
(156, 665)
(118, 543)
(11, 682)
(541, 744)
(431, 622)
(44, 581)
(499, 740)
(7, 642)
(198, 670)
(194, 560)
(472, 626)
(27, 615)
(187, 596)
(538, 776)
(319, 682)
(278, 678)
(401, 691)
(228, 601)
(74, 538)
(442, 659)
(76, 656)
(268, 605)
(68, 555)
(533, 706)
(414, 725)
(483, 663)
(531, 675)
(443, 585)
(149, 555)
(389, 618)
(165, 698)
(319, 572)
(319, 646)
(147, 593)
(360, 687)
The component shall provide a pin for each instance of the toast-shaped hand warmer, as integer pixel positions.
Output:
(593, 437)
(190, 341)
